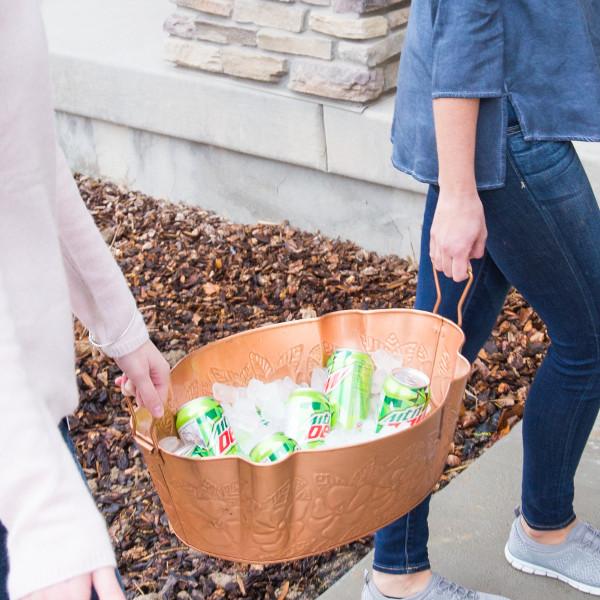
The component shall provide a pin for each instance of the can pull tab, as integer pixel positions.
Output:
(461, 302)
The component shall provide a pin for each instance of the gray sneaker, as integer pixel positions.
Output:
(576, 561)
(439, 588)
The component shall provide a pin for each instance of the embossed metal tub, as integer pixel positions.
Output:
(311, 501)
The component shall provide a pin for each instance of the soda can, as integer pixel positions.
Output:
(175, 446)
(273, 448)
(405, 400)
(308, 417)
(348, 387)
(202, 422)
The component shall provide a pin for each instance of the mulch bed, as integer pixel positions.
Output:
(198, 278)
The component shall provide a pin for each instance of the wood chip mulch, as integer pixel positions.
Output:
(198, 278)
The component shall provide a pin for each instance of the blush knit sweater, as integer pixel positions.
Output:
(53, 262)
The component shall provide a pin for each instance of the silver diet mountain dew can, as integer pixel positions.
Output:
(405, 399)
(175, 446)
(308, 417)
(273, 448)
(202, 422)
(348, 387)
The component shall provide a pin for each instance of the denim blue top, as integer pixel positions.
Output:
(543, 55)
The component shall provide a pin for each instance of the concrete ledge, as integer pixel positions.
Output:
(108, 65)
(128, 115)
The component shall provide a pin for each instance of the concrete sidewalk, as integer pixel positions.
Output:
(470, 520)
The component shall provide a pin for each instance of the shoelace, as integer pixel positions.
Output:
(457, 590)
(591, 539)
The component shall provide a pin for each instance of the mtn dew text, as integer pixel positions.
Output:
(308, 417)
(202, 422)
(348, 387)
(405, 400)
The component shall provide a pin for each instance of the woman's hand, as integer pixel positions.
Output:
(146, 376)
(458, 233)
(104, 581)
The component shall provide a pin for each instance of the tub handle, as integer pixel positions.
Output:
(461, 302)
(153, 433)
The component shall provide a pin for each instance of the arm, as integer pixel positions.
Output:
(468, 65)
(101, 298)
(458, 232)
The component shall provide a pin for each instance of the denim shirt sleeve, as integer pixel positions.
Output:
(468, 48)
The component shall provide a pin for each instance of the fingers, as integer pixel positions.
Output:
(126, 385)
(479, 247)
(106, 584)
(447, 265)
(128, 389)
(460, 268)
(160, 374)
(147, 395)
(436, 255)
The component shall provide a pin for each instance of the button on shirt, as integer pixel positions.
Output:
(543, 55)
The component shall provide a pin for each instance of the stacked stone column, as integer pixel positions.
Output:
(344, 49)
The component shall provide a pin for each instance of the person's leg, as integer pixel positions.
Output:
(401, 565)
(3, 564)
(544, 229)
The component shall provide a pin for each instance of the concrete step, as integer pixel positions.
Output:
(470, 521)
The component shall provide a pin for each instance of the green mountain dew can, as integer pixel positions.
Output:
(348, 387)
(202, 422)
(308, 417)
(273, 448)
(405, 399)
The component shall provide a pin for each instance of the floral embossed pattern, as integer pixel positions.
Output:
(311, 501)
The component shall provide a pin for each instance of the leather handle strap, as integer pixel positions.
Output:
(463, 297)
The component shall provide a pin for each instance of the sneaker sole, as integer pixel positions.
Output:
(531, 569)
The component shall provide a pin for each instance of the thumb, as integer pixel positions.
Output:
(106, 585)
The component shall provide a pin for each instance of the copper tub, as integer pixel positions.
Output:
(312, 501)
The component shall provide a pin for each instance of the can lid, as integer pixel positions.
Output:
(309, 393)
(200, 399)
(358, 354)
(273, 437)
(411, 377)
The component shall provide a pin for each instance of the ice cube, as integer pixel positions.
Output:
(270, 399)
(228, 394)
(318, 379)
(170, 443)
(386, 361)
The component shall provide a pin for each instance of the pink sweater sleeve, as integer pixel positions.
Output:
(99, 294)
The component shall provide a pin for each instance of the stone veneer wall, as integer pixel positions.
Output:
(346, 49)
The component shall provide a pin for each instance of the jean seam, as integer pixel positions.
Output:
(406, 538)
(570, 435)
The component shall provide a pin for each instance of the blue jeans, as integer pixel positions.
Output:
(64, 429)
(544, 239)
